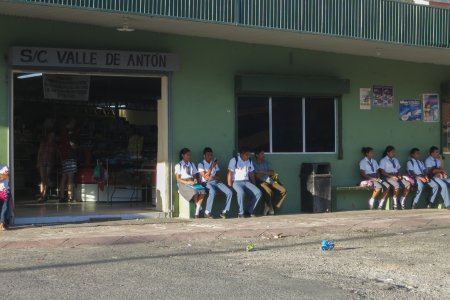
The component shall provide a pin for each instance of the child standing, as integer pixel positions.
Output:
(368, 168)
(67, 154)
(5, 197)
(45, 162)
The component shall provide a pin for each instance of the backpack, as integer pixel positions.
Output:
(191, 165)
(236, 158)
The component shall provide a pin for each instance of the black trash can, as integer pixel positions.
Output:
(315, 184)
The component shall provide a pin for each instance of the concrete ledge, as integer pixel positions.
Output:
(186, 208)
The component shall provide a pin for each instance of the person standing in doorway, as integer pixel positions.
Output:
(45, 162)
(5, 197)
(390, 170)
(67, 154)
(417, 170)
(369, 171)
(209, 169)
(437, 173)
(241, 178)
(274, 193)
(186, 173)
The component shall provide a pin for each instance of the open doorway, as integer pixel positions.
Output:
(105, 126)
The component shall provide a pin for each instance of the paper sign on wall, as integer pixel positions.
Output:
(66, 87)
(365, 99)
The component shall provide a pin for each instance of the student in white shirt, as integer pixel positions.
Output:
(390, 170)
(209, 169)
(368, 168)
(417, 170)
(242, 179)
(186, 172)
(437, 173)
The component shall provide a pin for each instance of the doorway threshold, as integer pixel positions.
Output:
(40, 220)
(52, 212)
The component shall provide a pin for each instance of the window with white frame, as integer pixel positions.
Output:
(287, 124)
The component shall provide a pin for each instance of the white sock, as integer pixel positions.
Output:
(381, 203)
(371, 201)
(394, 199)
(198, 209)
(402, 200)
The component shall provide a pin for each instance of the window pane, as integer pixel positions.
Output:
(320, 125)
(287, 124)
(253, 122)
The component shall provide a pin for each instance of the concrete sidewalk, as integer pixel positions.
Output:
(143, 231)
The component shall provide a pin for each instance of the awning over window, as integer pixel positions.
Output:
(290, 85)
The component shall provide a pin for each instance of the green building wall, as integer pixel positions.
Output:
(203, 99)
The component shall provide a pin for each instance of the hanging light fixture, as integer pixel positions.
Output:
(125, 27)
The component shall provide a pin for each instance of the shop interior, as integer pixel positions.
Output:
(113, 139)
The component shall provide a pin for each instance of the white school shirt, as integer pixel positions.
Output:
(431, 162)
(204, 167)
(240, 172)
(185, 170)
(416, 166)
(4, 185)
(387, 165)
(365, 165)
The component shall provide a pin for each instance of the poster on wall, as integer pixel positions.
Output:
(446, 131)
(365, 99)
(445, 108)
(377, 96)
(431, 108)
(383, 96)
(388, 96)
(410, 110)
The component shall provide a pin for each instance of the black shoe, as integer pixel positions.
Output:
(414, 206)
(223, 215)
(63, 200)
(197, 217)
(208, 216)
(430, 205)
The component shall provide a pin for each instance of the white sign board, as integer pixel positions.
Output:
(66, 87)
(61, 58)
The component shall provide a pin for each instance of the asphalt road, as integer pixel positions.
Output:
(366, 264)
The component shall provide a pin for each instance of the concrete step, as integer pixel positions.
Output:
(87, 218)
